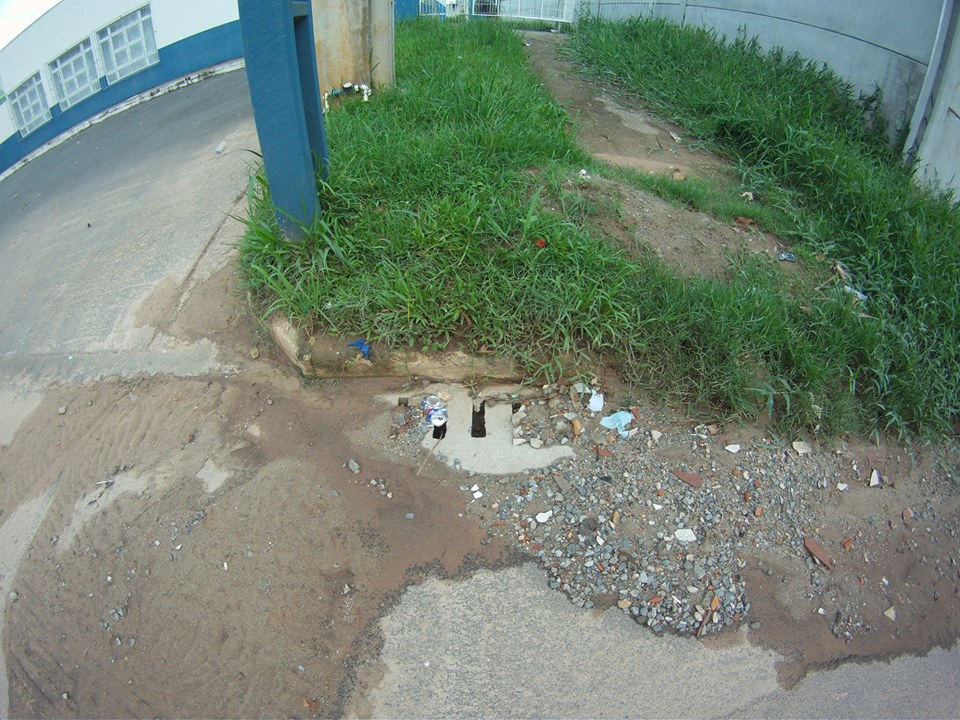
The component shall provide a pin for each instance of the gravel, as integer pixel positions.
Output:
(615, 526)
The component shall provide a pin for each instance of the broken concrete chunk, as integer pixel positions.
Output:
(802, 447)
(353, 465)
(685, 535)
(732, 449)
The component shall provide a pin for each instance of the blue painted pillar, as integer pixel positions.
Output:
(281, 65)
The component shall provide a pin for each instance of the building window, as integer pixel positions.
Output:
(75, 74)
(30, 105)
(128, 45)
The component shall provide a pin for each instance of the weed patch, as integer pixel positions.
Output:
(445, 221)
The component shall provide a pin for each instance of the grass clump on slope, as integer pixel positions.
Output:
(441, 226)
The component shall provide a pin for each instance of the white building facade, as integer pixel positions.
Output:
(83, 57)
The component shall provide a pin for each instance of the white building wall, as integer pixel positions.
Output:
(71, 21)
(57, 30)
(939, 152)
(7, 128)
(175, 20)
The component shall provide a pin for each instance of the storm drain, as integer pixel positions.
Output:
(478, 424)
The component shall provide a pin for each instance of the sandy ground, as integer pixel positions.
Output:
(193, 545)
(198, 547)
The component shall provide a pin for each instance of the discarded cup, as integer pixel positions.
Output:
(431, 402)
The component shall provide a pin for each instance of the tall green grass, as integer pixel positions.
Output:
(452, 216)
(795, 124)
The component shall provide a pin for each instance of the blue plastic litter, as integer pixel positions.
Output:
(363, 346)
(618, 421)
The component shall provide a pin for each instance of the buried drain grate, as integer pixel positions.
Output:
(478, 426)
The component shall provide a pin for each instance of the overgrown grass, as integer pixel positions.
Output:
(796, 125)
(436, 230)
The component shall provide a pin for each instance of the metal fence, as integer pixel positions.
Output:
(561, 11)
(433, 7)
(564, 11)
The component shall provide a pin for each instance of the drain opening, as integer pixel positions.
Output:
(478, 425)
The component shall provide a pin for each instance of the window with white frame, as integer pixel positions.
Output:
(29, 105)
(75, 74)
(128, 45)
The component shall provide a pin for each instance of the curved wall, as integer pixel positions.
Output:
(188, 37)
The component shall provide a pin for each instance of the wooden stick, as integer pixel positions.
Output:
(427, 457)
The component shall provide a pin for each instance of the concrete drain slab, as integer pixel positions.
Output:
(494, 454)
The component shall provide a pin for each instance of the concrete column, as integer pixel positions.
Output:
(354, 42)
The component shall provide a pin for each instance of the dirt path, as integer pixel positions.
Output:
(633, 138)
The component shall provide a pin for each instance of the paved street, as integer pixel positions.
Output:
(89, 229)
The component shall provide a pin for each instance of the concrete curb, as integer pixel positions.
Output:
(326, 356)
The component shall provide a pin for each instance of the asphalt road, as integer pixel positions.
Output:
(89, 229)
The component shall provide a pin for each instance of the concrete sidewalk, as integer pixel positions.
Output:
(90, 229)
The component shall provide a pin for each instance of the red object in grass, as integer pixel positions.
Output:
(541, 243)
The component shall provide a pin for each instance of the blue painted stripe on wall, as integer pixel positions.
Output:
(211, 47)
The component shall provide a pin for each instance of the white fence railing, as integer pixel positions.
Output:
(546, 10)
(432, 7)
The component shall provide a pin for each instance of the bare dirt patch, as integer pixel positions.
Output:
(205, 552)
(632, 137)
(624, 136)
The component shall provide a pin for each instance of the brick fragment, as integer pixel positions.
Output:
(818, 553)
(691, 479)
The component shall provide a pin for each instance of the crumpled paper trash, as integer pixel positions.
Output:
(618, 421)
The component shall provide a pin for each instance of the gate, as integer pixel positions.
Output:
(563, 11)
